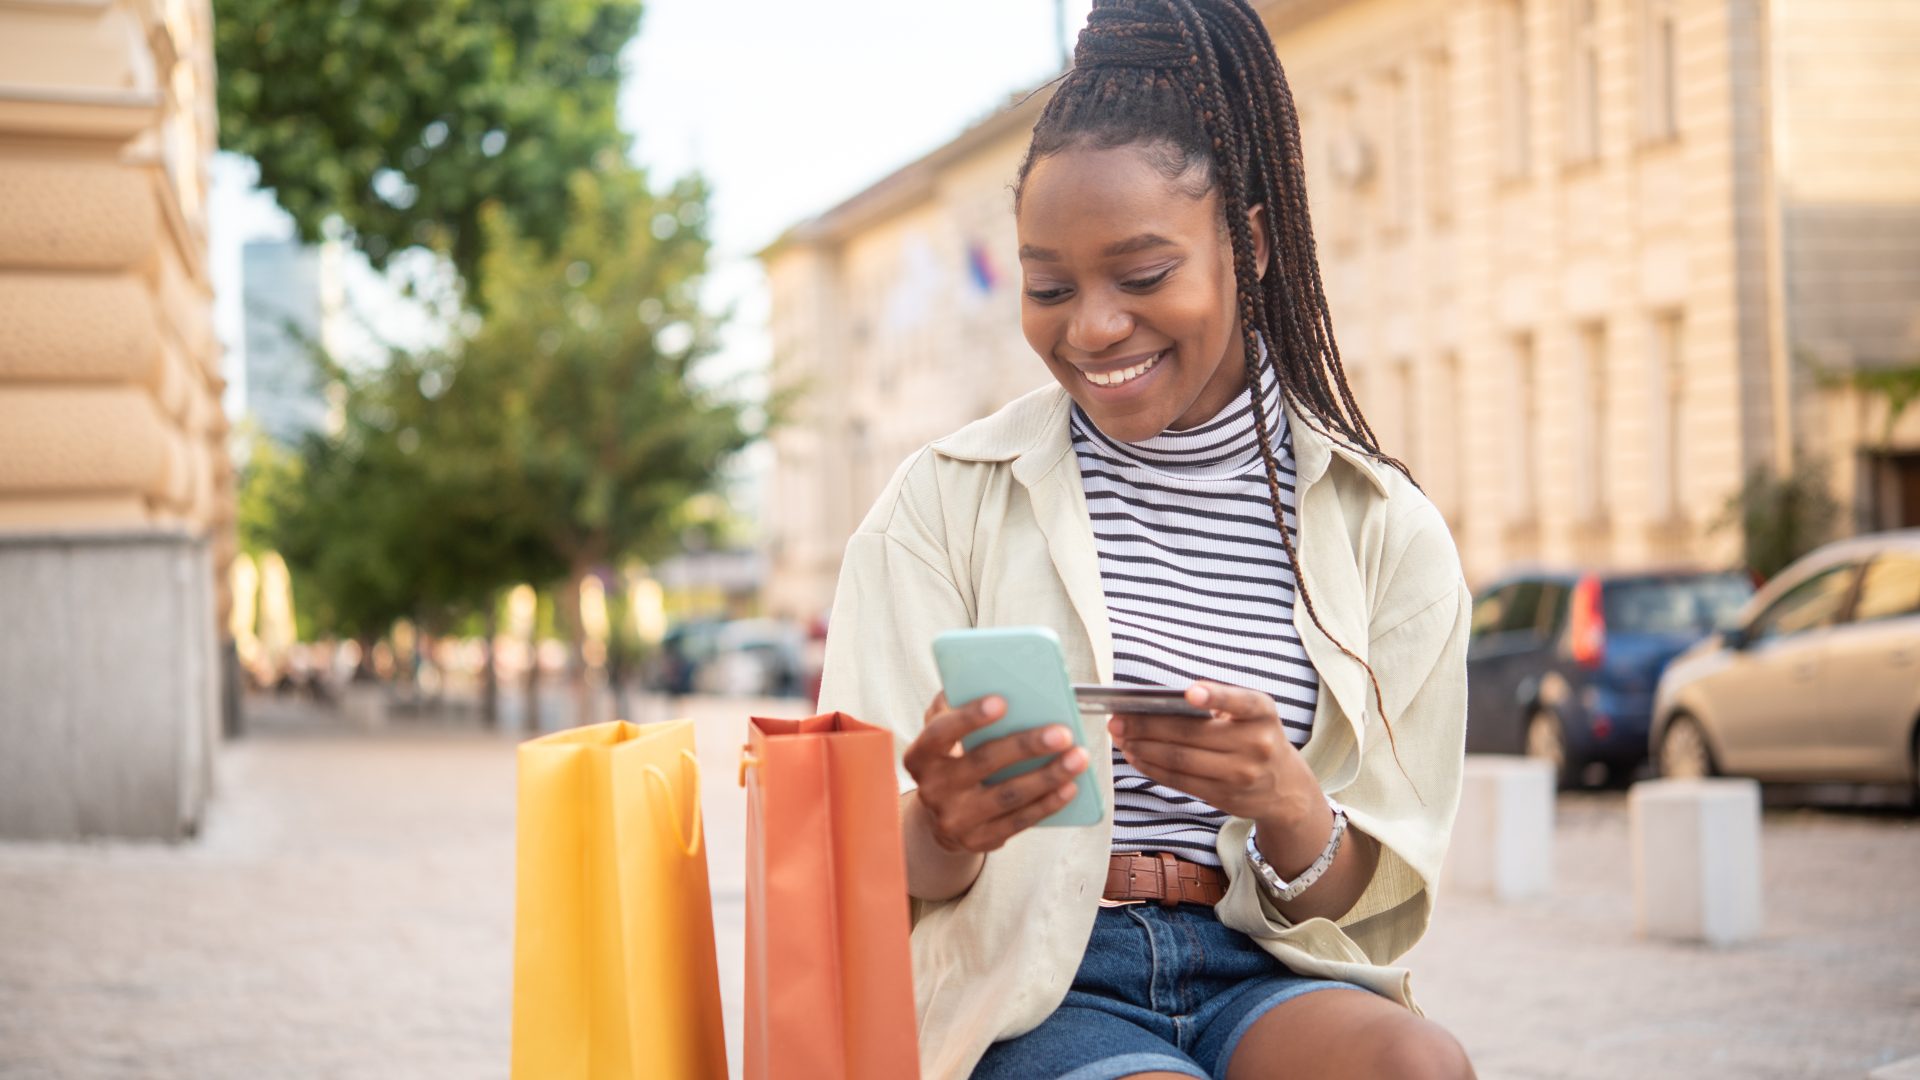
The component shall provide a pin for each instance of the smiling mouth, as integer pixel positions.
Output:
(1124, 375)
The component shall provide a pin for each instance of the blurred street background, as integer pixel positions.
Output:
(348, 913)
(383, 384)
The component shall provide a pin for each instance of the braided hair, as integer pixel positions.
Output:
(1197, 86)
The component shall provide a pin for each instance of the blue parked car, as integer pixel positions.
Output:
(1563, 665)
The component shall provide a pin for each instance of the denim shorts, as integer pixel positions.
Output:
(1160, 989)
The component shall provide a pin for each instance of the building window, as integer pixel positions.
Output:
(1524, 471)
(1666, 430)
(1349, 165)
(1660, 70)
(1450, 464)
(1590, 381)
(1436, 103)
(1583, 81)
(1513, 90)
(1396, 175)
(1406, 423)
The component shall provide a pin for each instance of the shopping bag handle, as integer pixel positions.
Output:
(689, 839)
(748, 759)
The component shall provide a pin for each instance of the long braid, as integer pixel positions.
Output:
(1198, 83)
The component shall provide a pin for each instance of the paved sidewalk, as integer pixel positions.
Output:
(1561, 987)
(348, 914)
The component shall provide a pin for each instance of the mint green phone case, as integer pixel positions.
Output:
(1024, 665)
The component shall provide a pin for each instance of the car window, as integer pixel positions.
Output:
(1553, 609)
(1522, 612)
(1809, 605)
(1488, 609)
(1890, 588)
(1675, 605)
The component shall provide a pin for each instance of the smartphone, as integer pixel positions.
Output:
(1139, 700)
(1025, 667)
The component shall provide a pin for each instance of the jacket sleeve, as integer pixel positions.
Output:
(1408, 787)
(896, 592)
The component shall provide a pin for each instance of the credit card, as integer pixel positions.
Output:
(1141, 700)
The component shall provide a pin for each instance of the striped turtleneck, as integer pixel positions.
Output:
(1198, 586)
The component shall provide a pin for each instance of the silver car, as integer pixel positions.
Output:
(1817, 679)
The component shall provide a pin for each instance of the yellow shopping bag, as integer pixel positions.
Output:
(614, 975)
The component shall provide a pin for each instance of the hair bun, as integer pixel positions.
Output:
(1134, 34)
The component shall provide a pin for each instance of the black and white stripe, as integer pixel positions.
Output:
(1198, 586)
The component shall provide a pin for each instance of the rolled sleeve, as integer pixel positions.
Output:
(892, 599)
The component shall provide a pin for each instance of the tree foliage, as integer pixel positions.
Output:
(567, 433)
(585, 367)
(1781, 518)
(405, 120)
(378, 521)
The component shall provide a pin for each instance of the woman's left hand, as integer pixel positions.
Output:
(1239, 760)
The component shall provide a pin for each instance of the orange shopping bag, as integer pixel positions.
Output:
(614, 976)
(829, 980)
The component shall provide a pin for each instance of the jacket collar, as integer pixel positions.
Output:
(1032, 433)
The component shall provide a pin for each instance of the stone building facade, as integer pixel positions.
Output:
(116, 496)
(1590, 262)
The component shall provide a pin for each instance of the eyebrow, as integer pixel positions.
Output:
(1125, 247)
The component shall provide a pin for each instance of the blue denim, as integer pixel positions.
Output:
(1159, 989)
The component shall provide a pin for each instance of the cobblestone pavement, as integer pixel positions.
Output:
(347, 913)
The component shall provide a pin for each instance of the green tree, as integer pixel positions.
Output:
(1781, 518)
(585, 368)
(406, 119)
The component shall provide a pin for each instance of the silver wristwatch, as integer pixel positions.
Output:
(1284, 891)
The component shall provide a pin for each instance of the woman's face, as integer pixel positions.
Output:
(1129, 290)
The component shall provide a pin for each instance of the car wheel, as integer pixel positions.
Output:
(1547, 742)
(1684, 752)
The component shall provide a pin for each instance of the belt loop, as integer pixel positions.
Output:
(1170, 890)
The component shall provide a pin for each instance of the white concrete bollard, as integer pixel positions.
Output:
(1696, 859)
(1503, 836)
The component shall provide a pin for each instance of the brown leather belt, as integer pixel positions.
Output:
(1160, 876)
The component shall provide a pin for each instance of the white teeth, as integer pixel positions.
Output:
(1124, 375)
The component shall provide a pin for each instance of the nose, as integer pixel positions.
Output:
(1097, 324)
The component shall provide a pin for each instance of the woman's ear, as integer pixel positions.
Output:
(1262, 250)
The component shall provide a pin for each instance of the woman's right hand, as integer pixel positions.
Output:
(965, 814)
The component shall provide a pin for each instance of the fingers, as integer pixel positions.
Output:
(1015, 793)
(964, 812)
(945, 727)
(1206, 789)
(984, 817)
(1218, 733)
(993, 833)
(1214, 766)
(990, 757)
(1236, 701)
(1223, 785)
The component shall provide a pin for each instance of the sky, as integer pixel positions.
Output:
(787, 108)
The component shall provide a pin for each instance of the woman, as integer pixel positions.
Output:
(1199, 478)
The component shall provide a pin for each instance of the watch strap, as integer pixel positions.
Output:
(1282, 890)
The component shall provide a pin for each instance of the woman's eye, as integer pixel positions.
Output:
(1046, 296)
(1148, 282)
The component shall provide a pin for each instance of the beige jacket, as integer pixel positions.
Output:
(989, 527)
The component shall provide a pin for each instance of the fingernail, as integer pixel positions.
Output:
(1067, 792)
(1197, 694)
(993, 707)
(1057, 738)
(1116, 726)
(1076, 759)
